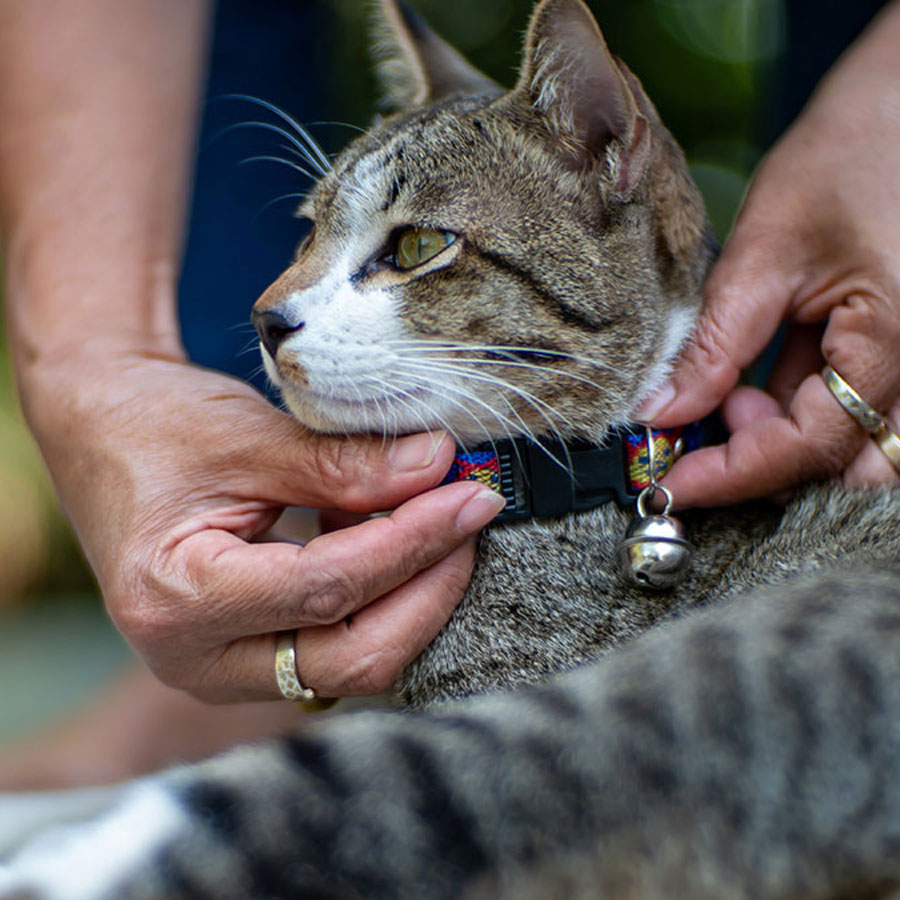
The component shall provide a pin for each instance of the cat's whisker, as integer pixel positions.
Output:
(415, 403)
(526, 396)
(312, 145)
(385, 424)
(292, 196)
(303, 157)
(543, 409)
(399, 398)
(290, 148)
(535, 402)
(394, 387)
(251, 346)
(510, 427)
(499, 349)
(277, 159)
(349, 125)
(361, 401)
(276, 129)
(544, 371)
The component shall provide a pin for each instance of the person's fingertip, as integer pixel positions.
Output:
(656, 404)
(479, 510)
(416, 451)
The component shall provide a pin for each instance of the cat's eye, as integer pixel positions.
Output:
(416, 246)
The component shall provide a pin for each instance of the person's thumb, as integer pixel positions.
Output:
(292, 466)
(746, 297)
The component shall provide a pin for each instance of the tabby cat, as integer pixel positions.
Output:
(527, 264)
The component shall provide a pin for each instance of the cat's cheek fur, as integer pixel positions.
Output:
(680, 325)
(92, 861)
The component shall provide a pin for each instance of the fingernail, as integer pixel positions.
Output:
(652, 407)
(417, 451)
(479, 510)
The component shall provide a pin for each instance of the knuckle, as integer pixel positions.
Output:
(148, 602)
(829, 457)
(333, 597)
(416, 544)
(457, 576)
(372, 673)
(708, 342)
(154, 631)
(859, 341)
(142, 620)
(337, 467)
(172, 676)
(826, 455)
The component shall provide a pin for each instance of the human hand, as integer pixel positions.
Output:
(816, 245)
(170, 473)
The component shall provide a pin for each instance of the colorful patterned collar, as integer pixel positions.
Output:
(554, 478)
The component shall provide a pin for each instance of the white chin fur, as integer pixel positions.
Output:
(422, 410)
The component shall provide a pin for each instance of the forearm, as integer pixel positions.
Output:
(869, 73)
(874, 53)
(98, 102)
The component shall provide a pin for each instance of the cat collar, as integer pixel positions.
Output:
(552, 478)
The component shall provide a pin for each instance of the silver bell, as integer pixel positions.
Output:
(654, 552)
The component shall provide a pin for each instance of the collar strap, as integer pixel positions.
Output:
(552, 478)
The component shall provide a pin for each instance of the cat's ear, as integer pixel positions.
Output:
(591, 103)
(415, 65)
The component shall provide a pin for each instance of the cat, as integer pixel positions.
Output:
(519, 322)
(528, 264)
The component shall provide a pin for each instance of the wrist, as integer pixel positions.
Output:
(75, 388)
(71, 309)
(70, 342)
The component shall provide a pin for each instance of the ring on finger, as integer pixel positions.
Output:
(887, 440)
(288, 680)
(870, 419)
(889, 443)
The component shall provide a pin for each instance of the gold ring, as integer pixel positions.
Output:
(852, 403)
(889, 443)
(286, 675)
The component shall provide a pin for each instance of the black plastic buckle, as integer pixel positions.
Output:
(552, 478)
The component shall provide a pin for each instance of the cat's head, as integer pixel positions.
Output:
(494, 263)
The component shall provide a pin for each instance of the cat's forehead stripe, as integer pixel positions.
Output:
(387, 147)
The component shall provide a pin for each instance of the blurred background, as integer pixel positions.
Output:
(726, 75)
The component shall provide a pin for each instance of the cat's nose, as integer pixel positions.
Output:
(273, 326)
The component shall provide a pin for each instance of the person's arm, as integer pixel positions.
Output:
(167, 471)
(98, 100)
(816, 244)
